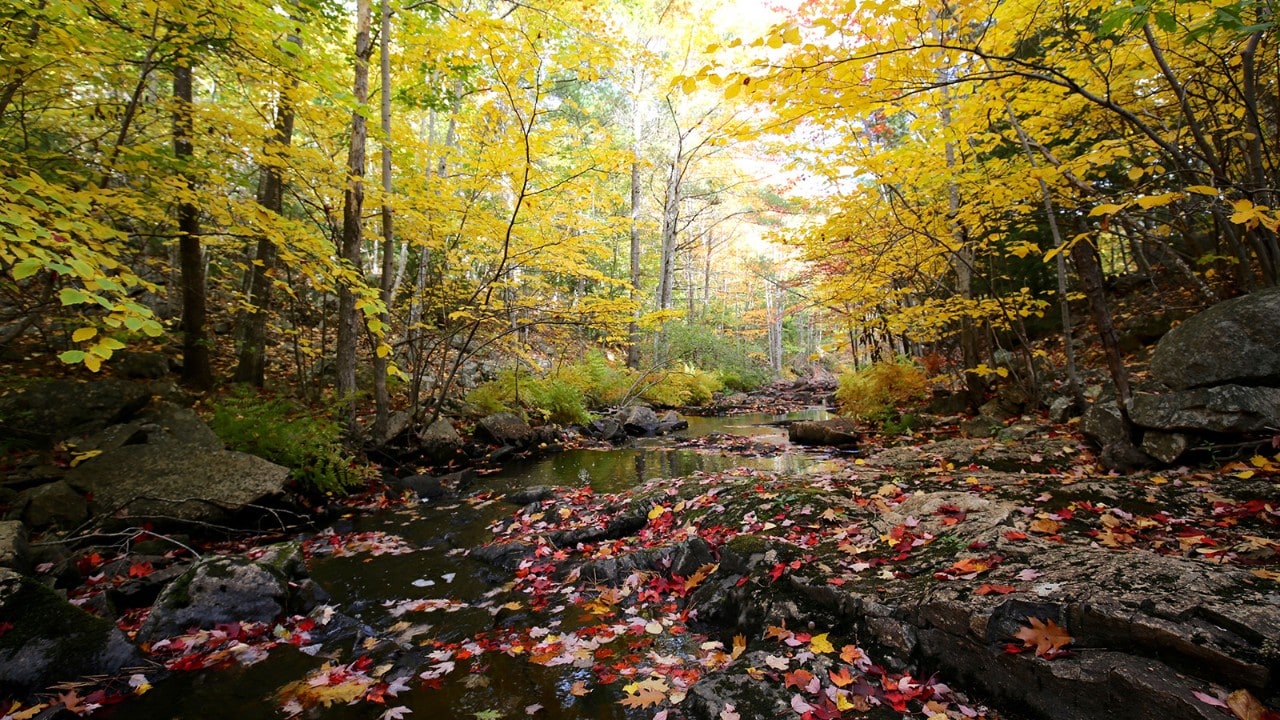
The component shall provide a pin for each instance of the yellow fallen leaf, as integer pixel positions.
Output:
(820, 644)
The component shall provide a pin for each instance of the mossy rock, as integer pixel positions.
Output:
(52, 640)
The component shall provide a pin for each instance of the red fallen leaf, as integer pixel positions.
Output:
(140, 570)
(5, 627)
(1011, 649)
(989, 589)
(777, 571)
(1015, 535)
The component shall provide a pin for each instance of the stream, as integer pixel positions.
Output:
(422, 565)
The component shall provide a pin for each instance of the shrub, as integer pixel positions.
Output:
(875, 392)
(287, 433)
(689, 386)
(555, 399)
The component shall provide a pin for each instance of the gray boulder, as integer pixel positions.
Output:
(52, 640)
(160, 424)
(639, 420)
(1237, 341)
(505, 429)
(1103, 424)
(1165, 446)
(607, 428)
(223, 589)
(440, 440)
(56, 409)
(15, 553)
(172, 482)
(1221, 409)
(671, 422)
(54, 504)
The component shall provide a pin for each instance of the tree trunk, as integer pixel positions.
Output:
(633, 329)
(670, 216)
(251, 367)
(1085, 257)
(352, 209)
(382, 399)
(197, 372)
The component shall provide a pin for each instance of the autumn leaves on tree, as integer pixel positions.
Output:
(547, 180)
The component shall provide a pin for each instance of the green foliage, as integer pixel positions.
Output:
(875, 392)
(556, 399)
(702, 346)
(689, 386)
(288, 433)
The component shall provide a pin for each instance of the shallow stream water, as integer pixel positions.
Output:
(364, 587)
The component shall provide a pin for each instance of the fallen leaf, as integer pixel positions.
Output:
(1047, 637)
(989, 589)
(820, 644)
(1247, 707)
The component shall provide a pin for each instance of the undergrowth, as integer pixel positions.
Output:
(288, 433)
(876, 392)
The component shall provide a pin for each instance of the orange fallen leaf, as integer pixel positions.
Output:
(989, 589)
(842, 678)
(1047, 637)
(1247, 707)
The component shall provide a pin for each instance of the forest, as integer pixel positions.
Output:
(384, 206)
(389, 265)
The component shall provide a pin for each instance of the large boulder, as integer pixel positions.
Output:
(55, 409)
(1233, 342)
(440, 440)
(162, 423)
(53, 504)
(505, 429)
(1223, 409)
(639, 420)
(157, 483)
(223, 589)
(50, 640)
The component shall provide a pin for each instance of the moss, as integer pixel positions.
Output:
(74, 638)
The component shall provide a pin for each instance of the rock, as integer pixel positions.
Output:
(1103, 424)
(1165, 446)
(639, 420)
(982, 426)
(440, 440)
(1232, 409)
(220, 589)
(54, 504)
(948, 404)
(533, 494)
(427, 487)
(51, 640)
(15, 553)
(671, 422)
(1014, 433)
(1233, 342)
(398, 423)
(837, 432)
(504, 429)
(57, 409)
(138, 364)
(161, 424)
(1061, 409)
(608, 429)
(166, 482)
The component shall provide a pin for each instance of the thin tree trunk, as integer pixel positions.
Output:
(352, 209)
(382, 399)
(251, 367)
(633, 329)
(197, 371)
